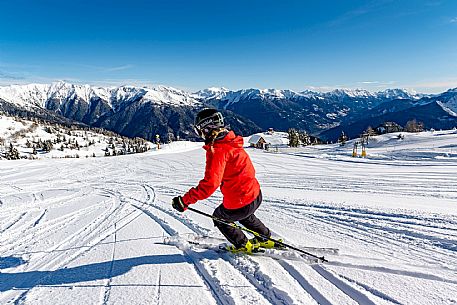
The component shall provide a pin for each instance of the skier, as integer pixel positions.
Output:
(229, 167)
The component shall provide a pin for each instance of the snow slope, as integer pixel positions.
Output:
(91, 231)
(19, 132)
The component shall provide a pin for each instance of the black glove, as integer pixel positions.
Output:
(178, 204)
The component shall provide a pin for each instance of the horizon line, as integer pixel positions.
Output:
(148, 84)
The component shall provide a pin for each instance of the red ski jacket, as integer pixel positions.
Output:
(228, 166)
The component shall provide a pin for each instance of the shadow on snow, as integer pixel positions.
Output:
(84, 273)
(10, 262)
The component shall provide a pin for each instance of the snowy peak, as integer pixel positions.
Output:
(211, 93)
(385, 94)
(234, 96)
(62, 93)
(26, 95)
(399, 94)
(169, 95)
(265, 93)
(337, 94)
(350, 93)
(39, 94)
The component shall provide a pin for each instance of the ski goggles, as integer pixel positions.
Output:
(199, 132)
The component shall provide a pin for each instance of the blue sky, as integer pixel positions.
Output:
(192, 45)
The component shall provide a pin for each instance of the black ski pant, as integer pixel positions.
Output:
(244, 216)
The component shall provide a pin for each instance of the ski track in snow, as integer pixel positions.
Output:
(110, 274)
(55, 215)
(194, 258)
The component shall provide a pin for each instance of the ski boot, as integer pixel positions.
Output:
(266, 244)
(248, 248)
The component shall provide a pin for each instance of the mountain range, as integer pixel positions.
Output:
(147, 111)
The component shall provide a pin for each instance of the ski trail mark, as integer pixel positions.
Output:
(310, 289)
(15, 221)
(165, 226)
(159, 280)
(372, 290)
(39, 218)
(111, 267)
(262, 282)
(353, 293)
(21, 298)
(220, 296)
(180, 217)
(414, 274)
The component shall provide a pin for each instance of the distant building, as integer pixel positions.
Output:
(315, 140)
(269, 139)
(388, 127)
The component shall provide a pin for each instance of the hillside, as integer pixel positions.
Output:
(40, 140)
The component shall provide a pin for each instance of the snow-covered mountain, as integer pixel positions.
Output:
(41, 94)
(308, 110)
(434, 111)
(169, 112)
(131, 111)
(235, 96)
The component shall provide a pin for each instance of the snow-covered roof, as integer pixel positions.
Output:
(276, 138)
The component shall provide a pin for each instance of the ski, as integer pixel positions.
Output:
(257, 235)
(277, 254)
(218, 244)
(214, 240)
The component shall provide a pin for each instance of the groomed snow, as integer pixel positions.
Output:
(91, 231)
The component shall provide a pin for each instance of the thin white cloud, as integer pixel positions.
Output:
(119, 68)
(104, 68)
(378, 83)
(453, 20)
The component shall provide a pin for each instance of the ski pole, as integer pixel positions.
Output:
(256, 234)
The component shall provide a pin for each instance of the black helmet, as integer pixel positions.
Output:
(208, 120)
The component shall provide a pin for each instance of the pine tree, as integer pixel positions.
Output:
(294, 140)
(304, 137)
(13, 153)
(47, 146)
